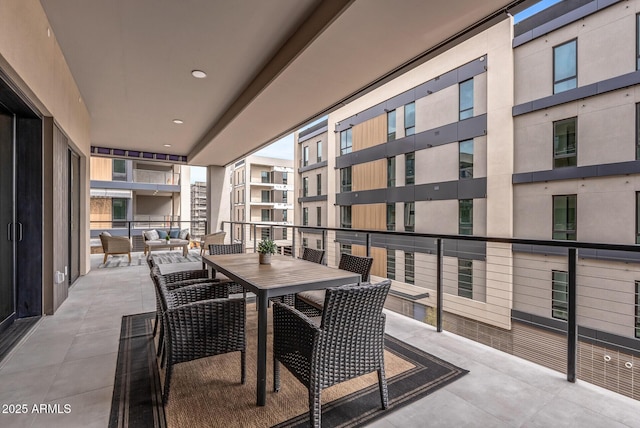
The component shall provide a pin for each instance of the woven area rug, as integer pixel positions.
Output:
(208, 393)
(160, 257)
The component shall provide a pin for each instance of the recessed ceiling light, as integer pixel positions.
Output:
(167, 145)
(178, 121)
(198, 74)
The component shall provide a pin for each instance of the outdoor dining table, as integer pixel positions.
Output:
(285, 275)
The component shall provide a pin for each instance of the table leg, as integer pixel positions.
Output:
(261, 386)
(185, 250)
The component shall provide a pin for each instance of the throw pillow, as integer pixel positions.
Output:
(183, 234)
(162, 234)
(173, 234)
(151, 235)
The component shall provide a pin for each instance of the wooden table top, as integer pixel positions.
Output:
(283, 276)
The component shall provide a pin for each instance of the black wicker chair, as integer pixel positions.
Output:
(312, 255)
(311, 302)
(348, 342)
(200, 321)
(219, 249)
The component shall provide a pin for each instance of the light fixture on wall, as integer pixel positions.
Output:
(178, 121)
(198, 74)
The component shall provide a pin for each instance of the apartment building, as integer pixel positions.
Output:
(137, 194)
(311, 186)
(198, 208)
(525, 131)
(262, 192)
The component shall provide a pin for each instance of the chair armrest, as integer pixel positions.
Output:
(185, 275)
(204, 291)
(293, 331)
(187, 282)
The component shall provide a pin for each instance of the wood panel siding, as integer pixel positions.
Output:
(369, 216)
(101, 169)
(370, 175)
(60, 215)
(370, 133)
(101, 214)
(379, 267)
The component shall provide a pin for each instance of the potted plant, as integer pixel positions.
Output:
(266, 248)
(168, 238)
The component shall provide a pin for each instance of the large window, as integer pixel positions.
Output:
(409, 268)
(305, 216)
(565, 66)
(305, 242)
(345, 216)
(284, 217)
(119, 212)
(119, 170)
(265, 233)
(410, 119)
(265, 195)
(564, 143)
(409, 216)
(410, 168)
(318, 184)
(265, 215)
(559, 293)
(465, 278)
(637, 311)
(265, 176)
(284, 196)
(345, 179)
(391, 263)
(391, 216)
(465, 217)
(319, 244)
(305, 187)
(345, 249)
(391, 171)
(318, 216)
(466, 99)
(637, 217)
(391, 125)
(305, 156)
(564, 217)
(466, 158)
(319, 151)
(285, 177)
(346, 141)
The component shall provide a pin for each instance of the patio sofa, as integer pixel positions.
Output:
(158, 236)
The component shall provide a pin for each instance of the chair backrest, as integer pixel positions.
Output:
(356, 264)
(219, 249)
(312, 255)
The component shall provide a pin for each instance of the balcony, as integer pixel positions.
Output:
(81, 342)
(156, 177)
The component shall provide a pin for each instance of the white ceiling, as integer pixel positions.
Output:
(272, 64)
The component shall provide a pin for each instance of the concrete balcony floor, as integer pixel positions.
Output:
(70, 358)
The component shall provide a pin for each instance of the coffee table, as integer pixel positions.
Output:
(156, 245)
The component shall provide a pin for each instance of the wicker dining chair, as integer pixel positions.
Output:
(200, 321)
(313, 255)
(348, 342)
(220, 249)
(311, 302)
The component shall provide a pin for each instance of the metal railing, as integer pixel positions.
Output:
(544, 300)
(156, 177)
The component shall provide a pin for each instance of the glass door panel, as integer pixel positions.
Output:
(7, 292)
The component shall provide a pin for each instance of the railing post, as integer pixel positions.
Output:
(129, 228)
(368, 240)
(324, 245)
(439, 299)
(293, 242)
(231, 226)
(572, 326)
(255, 239)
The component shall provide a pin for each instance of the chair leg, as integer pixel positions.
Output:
(155, 324)
(276, 375)
(314, 407)
(105, 258)
(243, 368)
(382, 383)
(167, 384)
(129, 257)
(160, 341)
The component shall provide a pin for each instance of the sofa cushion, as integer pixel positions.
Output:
(183, 234)
(162, 234)
(173, 234)
(151, 235)
(105, 233)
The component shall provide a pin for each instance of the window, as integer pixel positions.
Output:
(638, 131)
(118, 212)
(409, 217)
(565, 66)
(465, 278)
(305, 187)
(319, 184)
(466, 158)
(409, 268)
(345, 179)
(305, 216)
(284, 232)
(391, 125)
(465, 217)
(345, 216)
(409, 168)
(119, 170)
(391, 172)
(264, 176)
(265, 215)
(345, 248)
(564, 143)
(305, 242)
(284, 216)
(319, 151)
(265, 233)
(285, 196)
(318, 216)
(266, 195)
(637, 311)
(305, 156)
(319, 244)
(346, 142)
(391, 216)
(410, 119)
(285, 178)
(637, 217)
(638, 43)
(559, 285)
(391, 263)
(466, 99)
(564, 217)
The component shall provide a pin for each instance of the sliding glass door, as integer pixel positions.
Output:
(7, 208)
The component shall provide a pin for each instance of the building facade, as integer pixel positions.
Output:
(198, 208)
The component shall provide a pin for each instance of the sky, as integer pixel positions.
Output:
(283, 148)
